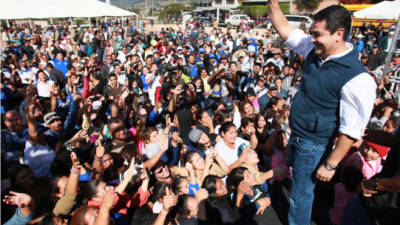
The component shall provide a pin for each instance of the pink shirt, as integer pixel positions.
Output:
(358, 161)
(256, 104)
(278, 160)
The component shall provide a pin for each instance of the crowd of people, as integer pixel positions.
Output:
(120, 125)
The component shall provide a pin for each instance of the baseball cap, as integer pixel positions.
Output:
(195, 134)
(250, 92)
(50, 117)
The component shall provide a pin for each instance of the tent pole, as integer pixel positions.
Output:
(137, 19)
(90, 25)
(392, 47)
(30, 23)
(70, 21)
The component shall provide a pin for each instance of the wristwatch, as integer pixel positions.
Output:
(329, 167)
(375, 183)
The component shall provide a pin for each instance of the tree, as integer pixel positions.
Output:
(255, 10)
(261, 10)
(172, 11)
(192, 5)
(135, 10)
(307, 4)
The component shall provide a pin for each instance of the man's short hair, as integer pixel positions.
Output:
(336, 17)
(50, 65)
(112, 75)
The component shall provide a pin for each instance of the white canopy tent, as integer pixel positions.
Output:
(40, 9)
(386, 10)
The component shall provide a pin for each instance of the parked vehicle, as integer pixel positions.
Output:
(296, 20)
(238, 19)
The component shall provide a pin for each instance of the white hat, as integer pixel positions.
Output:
(360, 36)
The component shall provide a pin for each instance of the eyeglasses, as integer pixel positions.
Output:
(160, 169)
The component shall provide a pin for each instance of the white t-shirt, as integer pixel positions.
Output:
(43, 89)
(26, 74)
(229, 155)
(150, 150)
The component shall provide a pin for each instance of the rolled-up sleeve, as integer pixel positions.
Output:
(356, 104)
(299, 42)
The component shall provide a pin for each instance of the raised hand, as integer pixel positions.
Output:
(243, 188)
(164, 142)
(209, 159)
(21, 200)
(169, 200)
(251, 130)
(201, 194)
(264, 203)
(143, 175)
(189, 166)
(85, 72)
(108, 199)
(75, 162)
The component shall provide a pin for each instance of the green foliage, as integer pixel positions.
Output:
(285, 7)
(255, 10)
(262, 10)
(79, 21)
(307, 4)
(172, 11)
(192, 5)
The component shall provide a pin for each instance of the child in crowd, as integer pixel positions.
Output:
(368, 159)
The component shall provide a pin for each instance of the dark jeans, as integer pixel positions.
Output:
(305, 157)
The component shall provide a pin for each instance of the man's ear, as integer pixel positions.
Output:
(340, 34)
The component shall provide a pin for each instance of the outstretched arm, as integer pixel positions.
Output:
(279, 20)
